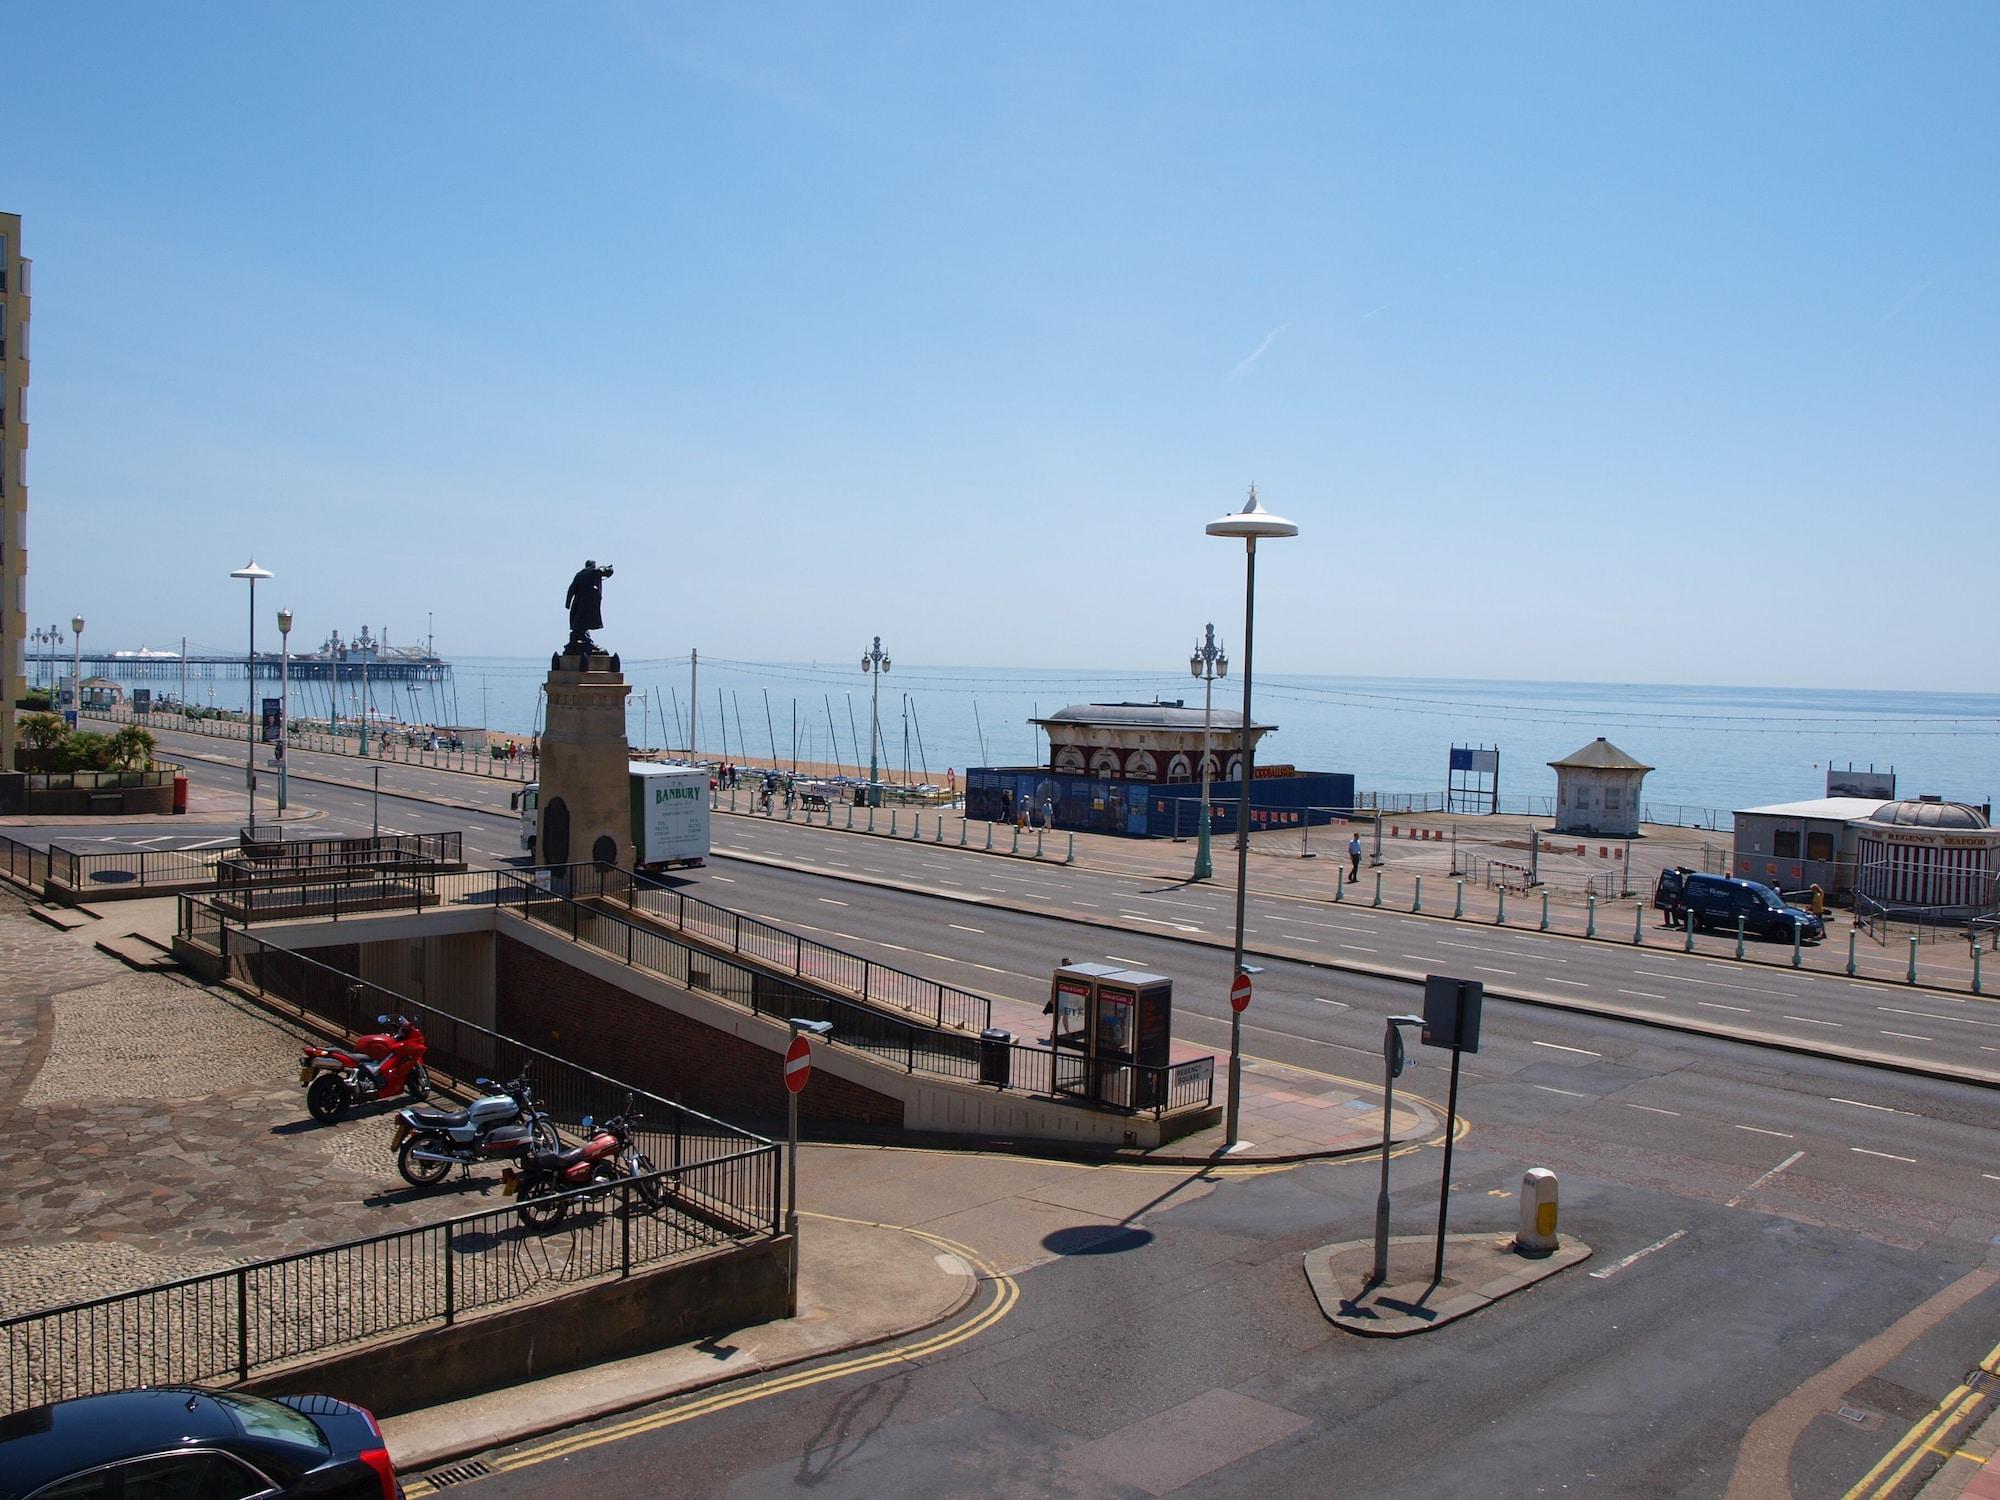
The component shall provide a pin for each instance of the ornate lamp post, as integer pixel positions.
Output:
(252, 573)
(1208, 663)
(76, 669)
(284, 701)
(1250, 523)
(874, 662)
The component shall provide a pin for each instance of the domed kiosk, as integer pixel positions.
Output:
(1930, 853)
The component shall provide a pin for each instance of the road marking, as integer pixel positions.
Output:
(1989, 1177)
(1712, 1005)
(1885, 1155)
(1482, 969)
(897, 947)
(1415, 958)
(961, 927)
(1861, 1104)
(940, 957)
(1643, 994)
(1356, 948)
(725, 879)
(1117, 960)
(1930, 1016)
(1547, 1090)
(1636, 1255)
(1581, 984)
(1091, 904)
(1796, 1155)
(1341, 1003)
(1559, 1047)
(831, 902)
(1510, 952)
(1908, 1036)
(1649, 1109)
(1809, 1021)
(1760, 1130)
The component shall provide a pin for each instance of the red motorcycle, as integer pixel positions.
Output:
(547, 1179)
(380, 1063)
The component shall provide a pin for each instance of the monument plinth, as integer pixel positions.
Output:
(585, 812)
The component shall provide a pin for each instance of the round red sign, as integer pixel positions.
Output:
(798, 1064)
(1239, 993)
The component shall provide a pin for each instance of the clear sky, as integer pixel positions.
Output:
(1583, 342)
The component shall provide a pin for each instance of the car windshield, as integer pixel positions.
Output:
(267, 1419)
(1772, 898)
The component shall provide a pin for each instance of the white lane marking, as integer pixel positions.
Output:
(961, 927)
(1908, 1036)
(840, 865)
(1559, 1047)
(1300, 939)
(1930, 1016)
(1989, 1177)
(1764, 1179)
(1356, 948)
(1572, 1093)
(1747, 989)
(1091, 904)
(725, 879)
(1809, 1021)
(940, 957)
(1482, 969)
(1712, 1005)
(831, 902)
(1649, 1109)
(1510, 952)
(1117, 960)
(1613, 1270)
(893, 947)
(872, 870)
(1784, 1135)
(1341, 1003)
(1885, 1155)
(1581, 984)
(1643, 994)
(1415, 958)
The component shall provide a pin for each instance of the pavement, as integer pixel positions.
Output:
(1479, 1269)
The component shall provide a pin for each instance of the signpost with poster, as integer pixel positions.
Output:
(274, 722)
(1451, 1020)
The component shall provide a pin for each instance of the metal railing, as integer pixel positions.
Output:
(184, 867)
(24, 863)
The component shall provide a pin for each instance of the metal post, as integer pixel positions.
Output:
(1016, 849)
(1039, 832)
(1590, 919)
(1739, 934)
(1850, 950)
(375, 831)
(1975, 971)
(875, 663)
(989, 833)
(1417, 900)
(1689, 948)
(1458, 903)
(1501, 919)
(1545, 909)
(1638, 922)
(1378, 888)
(448, 1275)
(1795, 945)
(1913, 958)
(1070, 858)
(1444, 1187)
(792, 1195)
(1391, 1046)
(1207, 663)
(284, 707)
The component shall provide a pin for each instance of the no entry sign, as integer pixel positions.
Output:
(1239, 992)
(798, 1064)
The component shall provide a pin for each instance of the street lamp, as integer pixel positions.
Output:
(252, 572)
(875, 662)
(284, 700)
(1208, 663)
(76, 669)
(1250, 523)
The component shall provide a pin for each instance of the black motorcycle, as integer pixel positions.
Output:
(503, 1124)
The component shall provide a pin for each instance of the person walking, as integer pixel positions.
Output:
(1049, 814)
(1354, 857)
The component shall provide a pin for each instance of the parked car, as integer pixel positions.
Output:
(1717, 901)
(186, 1443)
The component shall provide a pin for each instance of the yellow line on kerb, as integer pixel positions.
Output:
(1007, 1293)
(1923, 1436)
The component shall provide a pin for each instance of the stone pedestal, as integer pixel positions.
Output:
(585, 812)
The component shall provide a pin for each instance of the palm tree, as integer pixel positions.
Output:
(131, 748)
(43, 731)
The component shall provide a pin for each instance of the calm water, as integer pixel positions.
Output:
(1713, 747)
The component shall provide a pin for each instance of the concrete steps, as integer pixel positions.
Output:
(66, 918)
(138, 951)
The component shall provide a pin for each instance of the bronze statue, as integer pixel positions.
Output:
(585, 602)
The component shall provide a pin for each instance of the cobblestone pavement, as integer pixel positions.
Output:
(152, 1127)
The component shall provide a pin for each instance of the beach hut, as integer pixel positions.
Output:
(1597, 791)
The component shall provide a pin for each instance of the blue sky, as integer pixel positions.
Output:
(1603, 343)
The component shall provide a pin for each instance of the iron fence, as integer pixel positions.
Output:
(24, 862)
(226, 1324)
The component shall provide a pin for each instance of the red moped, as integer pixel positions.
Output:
(374, 1065)
(544, 1185)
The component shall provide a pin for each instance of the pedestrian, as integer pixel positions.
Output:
(1021, 814)
(1049, 813)
(1354, 857)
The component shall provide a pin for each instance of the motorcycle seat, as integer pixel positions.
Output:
(439, 1119)
(558, 1161)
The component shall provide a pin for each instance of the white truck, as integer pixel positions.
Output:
(669, 814)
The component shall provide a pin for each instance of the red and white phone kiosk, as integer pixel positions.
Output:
(1112, 1036)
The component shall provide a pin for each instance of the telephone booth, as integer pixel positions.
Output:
(1107, 1020)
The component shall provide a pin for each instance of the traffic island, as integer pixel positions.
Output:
(1478, 1269)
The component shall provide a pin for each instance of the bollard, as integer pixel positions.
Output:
(1796, 960)
(1501, 920)
(1378, 887)
(1975, 971)
(1458, 905)
(850, 816)
(937, 831)
(1739, 934)
(989, 835)
(1590, 919)
(1017, 840)
(1638, 923)
(892, 822)
(1913, 958)
(1070, 858)
(1850, 952)
(1417, 900)
(871, 817)
(1689, 946)
(1545, 909)
(1038, 843)
(1339, 885)
(1537, 1234)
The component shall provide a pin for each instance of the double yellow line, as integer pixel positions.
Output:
(1922, 1438)
(1007, 1292)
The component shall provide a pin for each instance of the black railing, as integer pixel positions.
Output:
(201, 867)
(226, 1324)
(24, 863)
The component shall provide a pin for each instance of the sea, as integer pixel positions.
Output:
(1713, 749)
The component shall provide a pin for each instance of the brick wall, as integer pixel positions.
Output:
(548, 1004)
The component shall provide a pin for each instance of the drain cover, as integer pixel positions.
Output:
(458, 1473)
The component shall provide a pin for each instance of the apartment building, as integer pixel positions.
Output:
(14, 290)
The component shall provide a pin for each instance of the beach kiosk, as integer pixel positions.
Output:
(1106, 1021)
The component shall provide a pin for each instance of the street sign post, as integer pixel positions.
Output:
(797, 1071)
(1451, 1020)
(1393, 1059)
(798, 1064)
(1239, 993)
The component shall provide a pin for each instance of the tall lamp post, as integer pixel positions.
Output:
(1208, 663)
(284, 700)
(1250, 523)
(874, 662)
(76, 669)
(252, 572)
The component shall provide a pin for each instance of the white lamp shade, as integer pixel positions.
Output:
(1252, 522)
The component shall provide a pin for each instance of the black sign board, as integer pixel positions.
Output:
(1451, 1012)
(142, 700)
(274, 722)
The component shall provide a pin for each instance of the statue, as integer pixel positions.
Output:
(585, 602)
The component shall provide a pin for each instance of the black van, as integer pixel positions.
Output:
(1716, 901)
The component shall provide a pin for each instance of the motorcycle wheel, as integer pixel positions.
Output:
(544, 1135)
(418, 1084)
(421, 1173)
(327, 1098)
(540, 1206)
(651, 1191)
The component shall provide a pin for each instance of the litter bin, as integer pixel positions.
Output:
(996, 1056)
(180, 794)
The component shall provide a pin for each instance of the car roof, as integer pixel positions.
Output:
(47, 1442)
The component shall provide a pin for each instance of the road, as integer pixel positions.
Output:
(1756, 1215)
